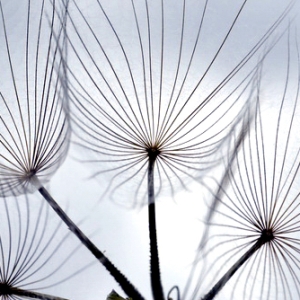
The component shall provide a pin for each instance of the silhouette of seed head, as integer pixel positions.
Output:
(147, 82)
(35, 248)
(255, 222)
(34, 127)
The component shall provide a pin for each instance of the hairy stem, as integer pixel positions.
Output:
(127, 287)
(221, 283)
(157, 289)
(6, 290)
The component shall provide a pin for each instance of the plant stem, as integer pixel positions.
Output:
(220, 284)
(127, 287)
(157, 289)
(6, 290)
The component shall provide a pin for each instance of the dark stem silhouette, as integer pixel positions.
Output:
(6, 291)
(157, 289)
(127, 287)
(266, 237)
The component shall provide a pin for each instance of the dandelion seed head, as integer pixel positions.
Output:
(36, 250)
(257, 208)
(34, 126)
(155, 79)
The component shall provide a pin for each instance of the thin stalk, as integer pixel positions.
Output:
(127, 287)
(6, 290)
(265, 237)
(157, 289)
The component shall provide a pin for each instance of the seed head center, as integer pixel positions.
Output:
(4, 289)
(28, 175)
(267, 235)
(153, 152)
